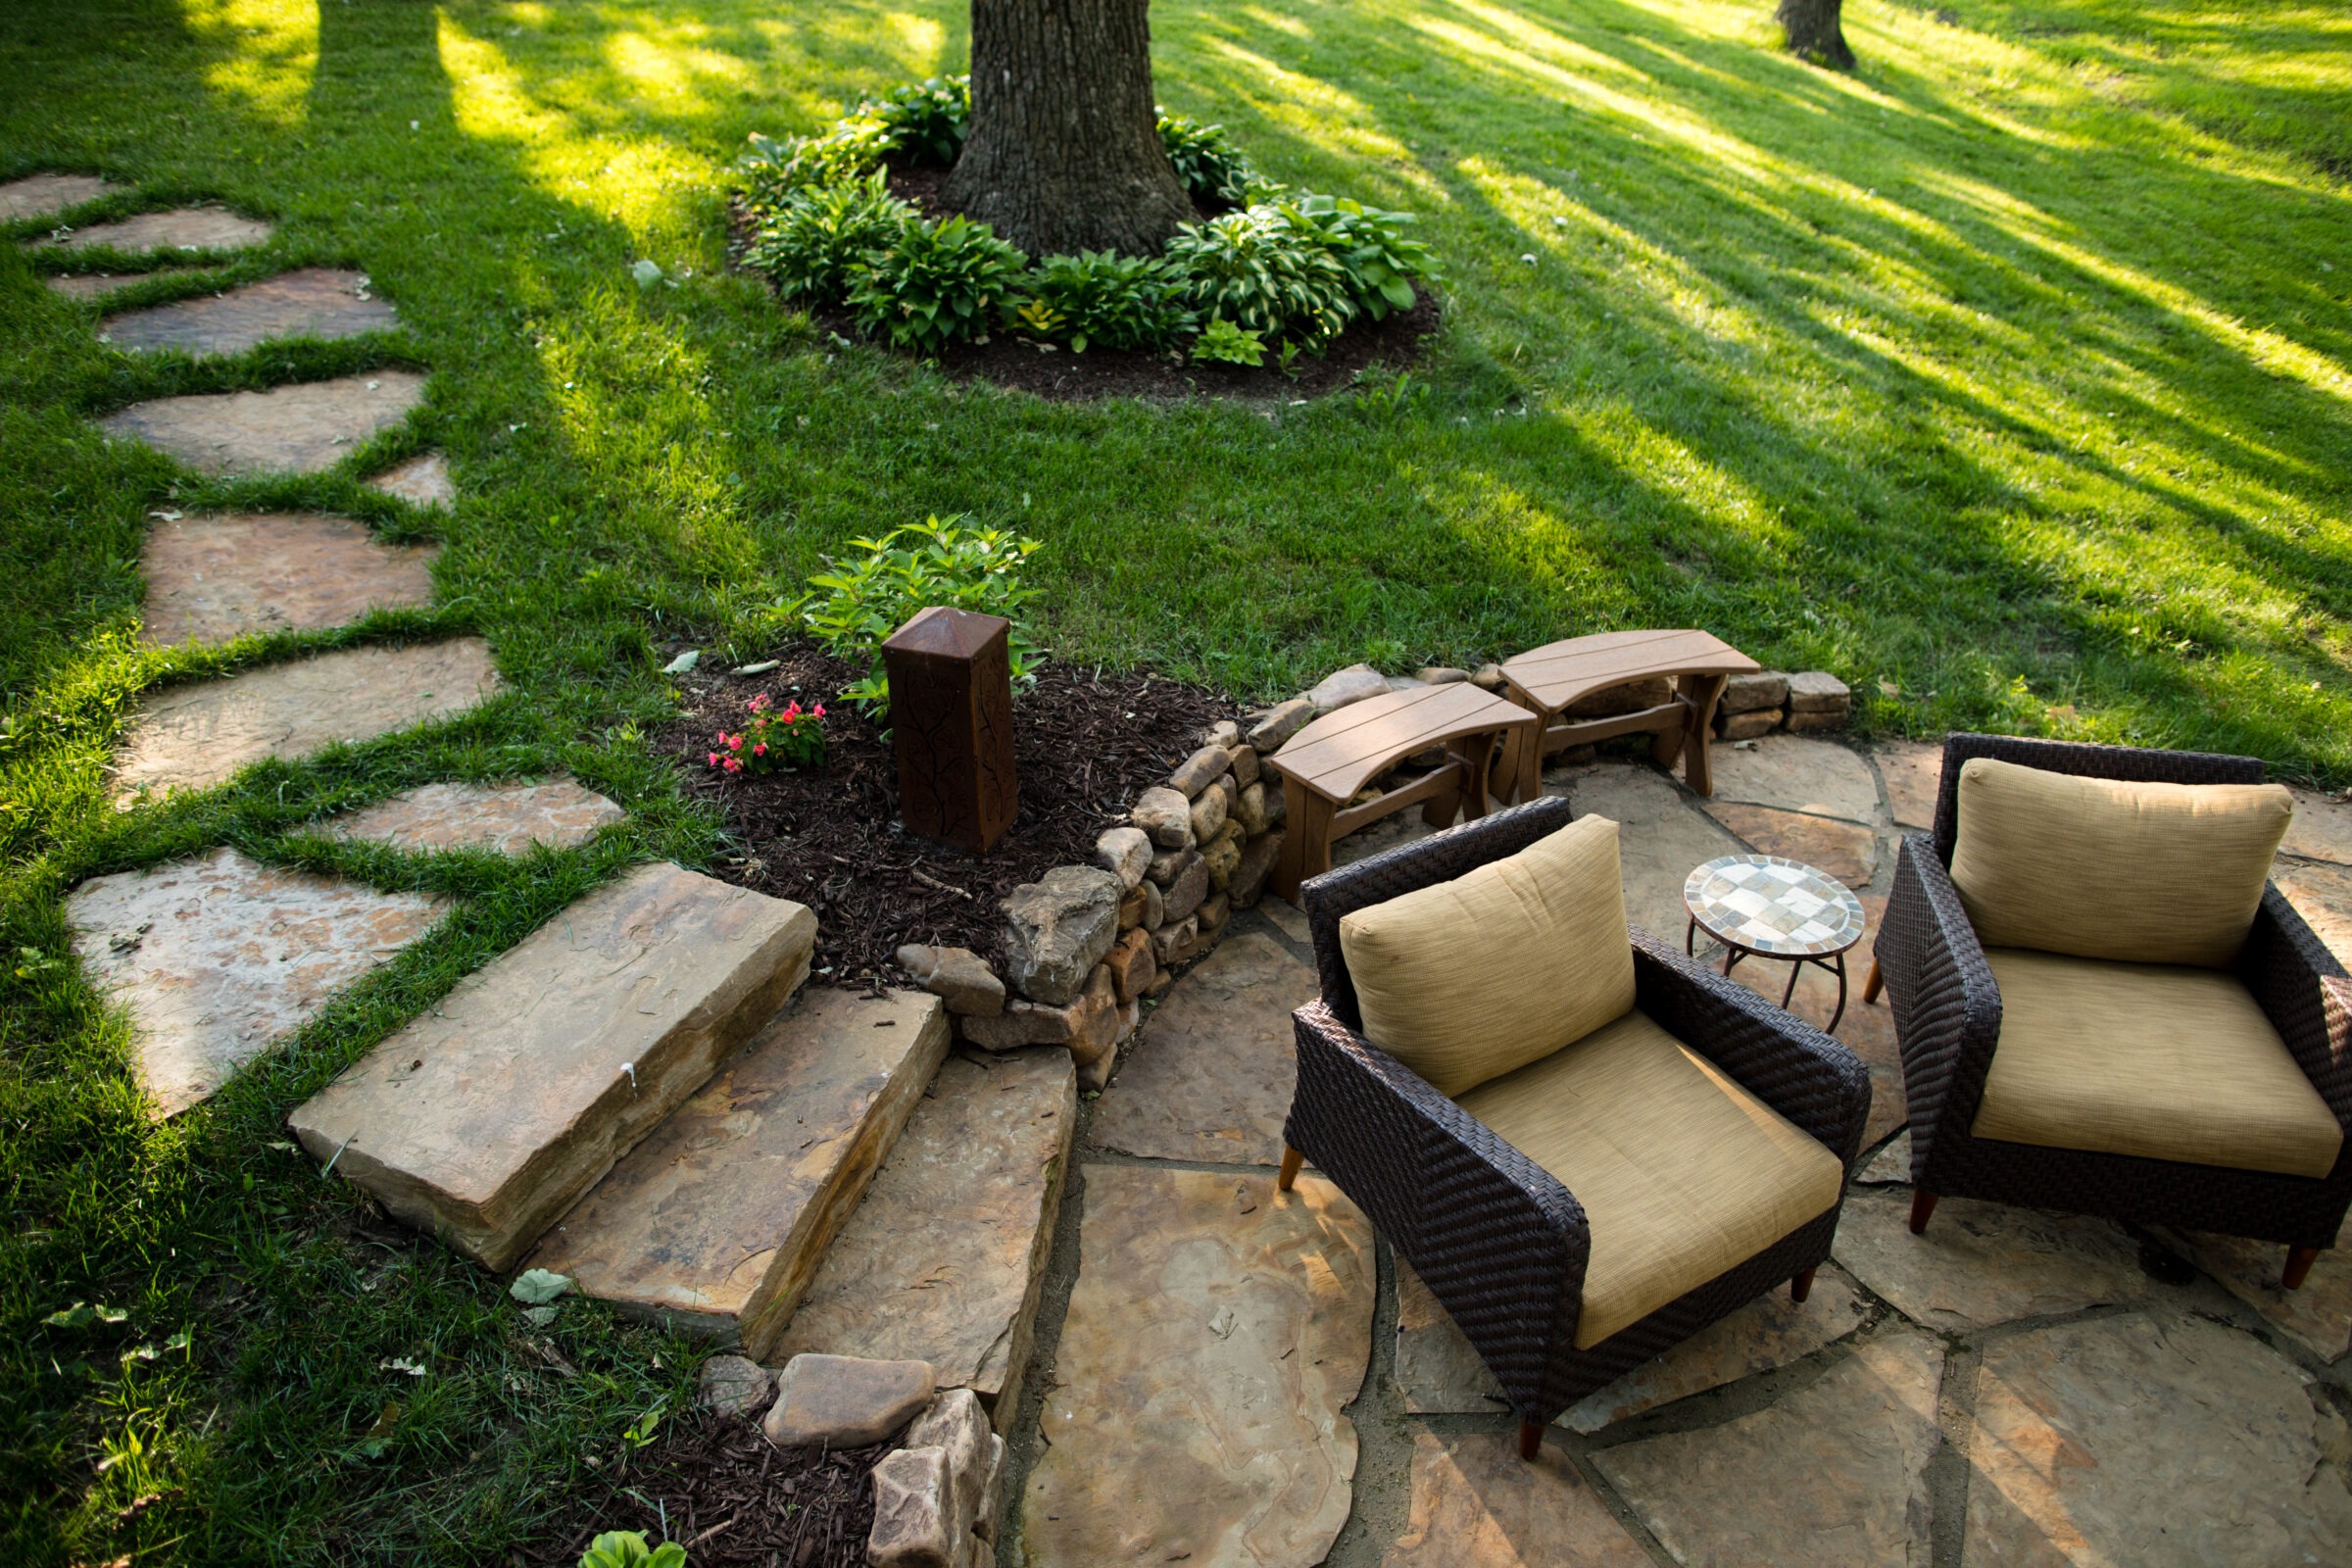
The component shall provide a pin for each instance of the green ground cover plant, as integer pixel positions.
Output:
(2005, 376)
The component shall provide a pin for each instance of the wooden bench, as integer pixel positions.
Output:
(1327, 764)
(1551, 679)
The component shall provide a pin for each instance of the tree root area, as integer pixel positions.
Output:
(1085, 743)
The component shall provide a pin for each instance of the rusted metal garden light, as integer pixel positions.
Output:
(951, 720)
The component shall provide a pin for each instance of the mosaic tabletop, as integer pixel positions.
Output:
(1769, 905)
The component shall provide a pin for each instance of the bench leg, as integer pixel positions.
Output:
(1702, 693)
(1307, 839)
(1478, 752)
(1441, 809)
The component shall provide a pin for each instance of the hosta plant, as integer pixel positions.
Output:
(1212, 169)
(1369, 244)
(933, 285)
(772, 739)
(815, 241)
(776, 167)
(854, 604)
(627, 1548)
(1121, 302)
(1260, 270)
(925, 119)
(1222, 343)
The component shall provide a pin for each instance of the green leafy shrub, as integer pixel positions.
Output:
(933, 285)
(627, 1548)
(775, 167)
(1215, 171)
(1222, 343)
(926, 119)
(815, 241)
(1260, 270)
(1370, 245)
(1121, 302)
(854, 605)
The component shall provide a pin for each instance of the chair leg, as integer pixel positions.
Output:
(1870, 985)
(1923, 1204)
(1292, 1159)
(1801, 1286)
(1530, 1439)
(2298, 1267)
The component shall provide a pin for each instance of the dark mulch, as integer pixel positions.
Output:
(713, 1484)
(1053, 371)
(1084, 743)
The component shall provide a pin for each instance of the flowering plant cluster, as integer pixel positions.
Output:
(790, 736)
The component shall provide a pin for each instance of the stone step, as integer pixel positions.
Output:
(92, 285)
(491, 1114)
(945, 1259)
(717, 1221)
(182, 229)
(505, 818)
(213, 579)
(195, 736)
(314, 302)
(421, 482)
(216, 958)
(40, 195)
(306, 428)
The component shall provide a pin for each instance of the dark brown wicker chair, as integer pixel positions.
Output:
(1948, 1020)
(1498, 1240)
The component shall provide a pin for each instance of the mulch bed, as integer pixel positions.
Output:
(1084, 743)
(713, 1484)
(1005, 360)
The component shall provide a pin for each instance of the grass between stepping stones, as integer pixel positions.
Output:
(1957, 373)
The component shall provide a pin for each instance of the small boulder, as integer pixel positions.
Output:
(1249, 879)
(1746, 726)
(1214, 911)
(1745, 694)
(1269, 729)
(1224, 732)
(1132, 904)
(1190, 886)
(1164, 867)
(1057, 929)
(1222, 858)
(1816, 691)
(1440, 675)
(1200, 770)
(1243, 759)
(915, 1514)
(1008, 1032)
(1343, 686)
(735, 1385)
(1817, 722)
(1489, 677)
(1156, 907)
(1180, 941)
(1251, 809)
(1209, 814)
(1131, 964)
(1124, 851)
(1166, 815)
(845, 1401)
(959, 977)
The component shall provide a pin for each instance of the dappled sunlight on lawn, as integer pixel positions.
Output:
(269, 51)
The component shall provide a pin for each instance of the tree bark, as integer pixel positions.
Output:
(1813, 31)
(1063, 153)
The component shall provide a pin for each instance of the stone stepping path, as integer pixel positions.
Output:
(42, 195)
(304, 428)
(945, 1259)
(196, 736)
(715, 1223)
(1477, 1504)
(216, 958)
(310, 302)
(211, 579)
(486, 1118)
(421, 482)
(1215, 1330)
(92, 285)
(503, 818)
(182, 229)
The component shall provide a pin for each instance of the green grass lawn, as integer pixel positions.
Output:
(2007, 377)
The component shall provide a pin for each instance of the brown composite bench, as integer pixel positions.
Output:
(1551, 679)
(1327, 764)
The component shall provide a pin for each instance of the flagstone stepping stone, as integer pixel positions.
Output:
(211, 579)
(2319, 1313)
(39, 195)
(214, 959)
(182, 229)
(1288, 918)
(1436, 1371)
(717, 1222)
(1830, 1475)
(2321, 830)
(309, 302)
(1211, 1080)
(945, 1259)
(1984, 1263)
(1661, 836)
(92, 285)
(1867, 1029)
(2322, 896)
(1797, 774)
(303, 428)
(421, 482)
(193, 737)
(1911, 770)
(1215, 1330)
(507, 818)
(1847, 852)
(489, 1117)
(2154, 1442)
(1889, 1165)
(1477, 1504)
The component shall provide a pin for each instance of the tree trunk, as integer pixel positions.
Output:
(1812, 28)
(1063, 153)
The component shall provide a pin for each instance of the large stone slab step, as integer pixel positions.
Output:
(309, 302)
(946, 1260)
(181, 228)
(216, 577)
(490, 1115)
(306, 428)
(717, 1222)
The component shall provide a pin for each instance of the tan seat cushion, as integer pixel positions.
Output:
(2136, 873)
(1682, 1172)
(2162, 1062)
(1468, 979)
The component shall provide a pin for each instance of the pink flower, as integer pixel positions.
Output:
(714, 759)
(818, 712)
(760, 750)
(792, 711)
(759, 703)
(733, 766)
(735, 743)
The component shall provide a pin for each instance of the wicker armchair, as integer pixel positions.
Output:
(1947, 1015)
(1499, 1241)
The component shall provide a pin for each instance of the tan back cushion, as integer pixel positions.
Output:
(2135, 873)
(1468, 979)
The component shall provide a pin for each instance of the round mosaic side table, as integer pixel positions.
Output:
(1769, 908)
